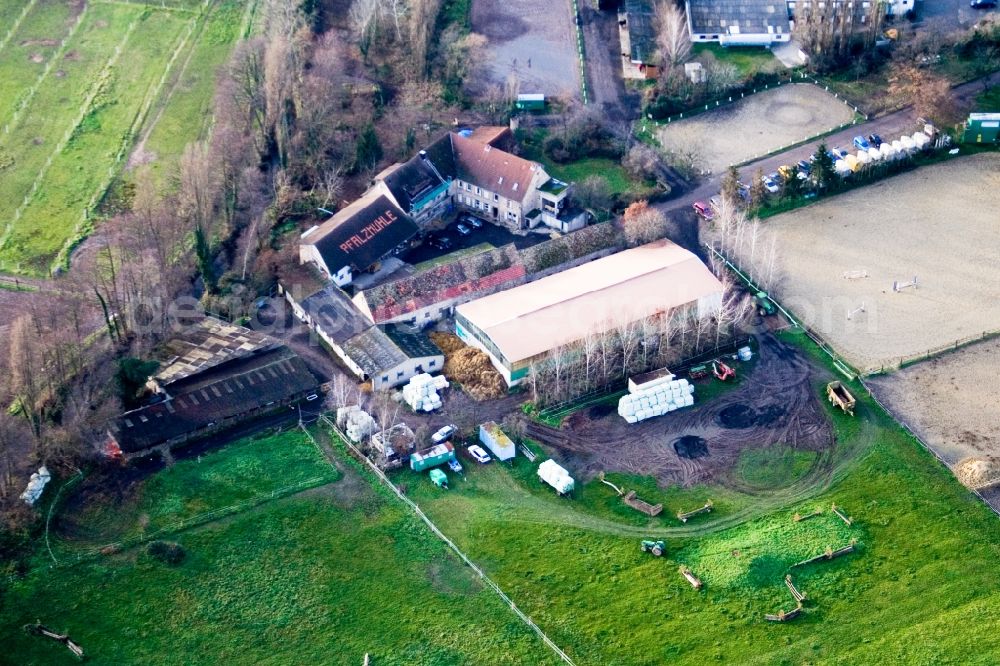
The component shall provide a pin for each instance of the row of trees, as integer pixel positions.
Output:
(620, 349)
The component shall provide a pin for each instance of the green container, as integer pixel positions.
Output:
(439, 478)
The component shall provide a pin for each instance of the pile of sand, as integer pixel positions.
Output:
(976, 472)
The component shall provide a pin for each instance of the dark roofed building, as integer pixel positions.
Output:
(390, 355)
(739, 22)
(637, 33)
(418, 187)
(215, 397)
(357, 237)
(430, 294)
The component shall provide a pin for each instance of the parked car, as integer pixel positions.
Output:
(804, 166)
(472, 221)
(771, 183)
(455, 466)
(479, 455)
(444, 434)
(983, 4)
(838, 154)
(703, 210)
(462, 229)
(861, 143)
(440, 242)
(875, 140)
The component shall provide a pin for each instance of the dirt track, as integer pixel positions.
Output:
(776, 405)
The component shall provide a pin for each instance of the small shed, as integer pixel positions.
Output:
(496, 441)
(530, 102)
(982, 128)
(432, 457)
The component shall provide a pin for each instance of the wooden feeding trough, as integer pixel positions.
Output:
(798, 596)
(691, 578)
(846, 519)
(798, 517)
(639, 505)
(632, 500)
(828, 555)
(685, 516)
(839, 396)
(784, 616)
(38, 629)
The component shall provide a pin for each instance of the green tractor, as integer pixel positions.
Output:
(765, 306)
(657, 548)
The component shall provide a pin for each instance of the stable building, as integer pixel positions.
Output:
(385, 355)
(429, 295)
(521, 326)
(214, 376)
(357, 237)
(739, 22)
(637, 34)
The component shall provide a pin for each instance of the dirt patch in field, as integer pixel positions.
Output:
(938, 224)
(60, 73)
(37, 58)
(534, 41)
(39, 42)
(776, 404)
(756, 125)
(953, 403)
(72, 56)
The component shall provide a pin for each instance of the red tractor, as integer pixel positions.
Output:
(722, 371)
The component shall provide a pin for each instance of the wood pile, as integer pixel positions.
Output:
(684, 516)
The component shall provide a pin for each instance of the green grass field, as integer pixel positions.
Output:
(322, 577)
(79, 85)
(239, 472)
(746, 60)
(326, 575)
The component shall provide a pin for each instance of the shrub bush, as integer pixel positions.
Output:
(167, 552)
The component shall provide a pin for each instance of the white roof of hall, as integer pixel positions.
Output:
(565, 307)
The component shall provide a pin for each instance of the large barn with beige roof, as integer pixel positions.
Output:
(521, 326)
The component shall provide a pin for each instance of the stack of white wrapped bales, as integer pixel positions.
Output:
(655, 398)
(356, 423)
(421, 393)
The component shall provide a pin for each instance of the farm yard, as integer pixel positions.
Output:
(536, 42)
(80, 83)
(757, 125)
(953, 403)
(341, 569)
(937, 224)
(777, 404)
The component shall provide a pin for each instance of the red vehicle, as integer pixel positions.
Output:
(704, 210)
(722, 371)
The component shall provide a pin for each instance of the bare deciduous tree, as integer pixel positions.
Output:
(672, 36)
(643, 224)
